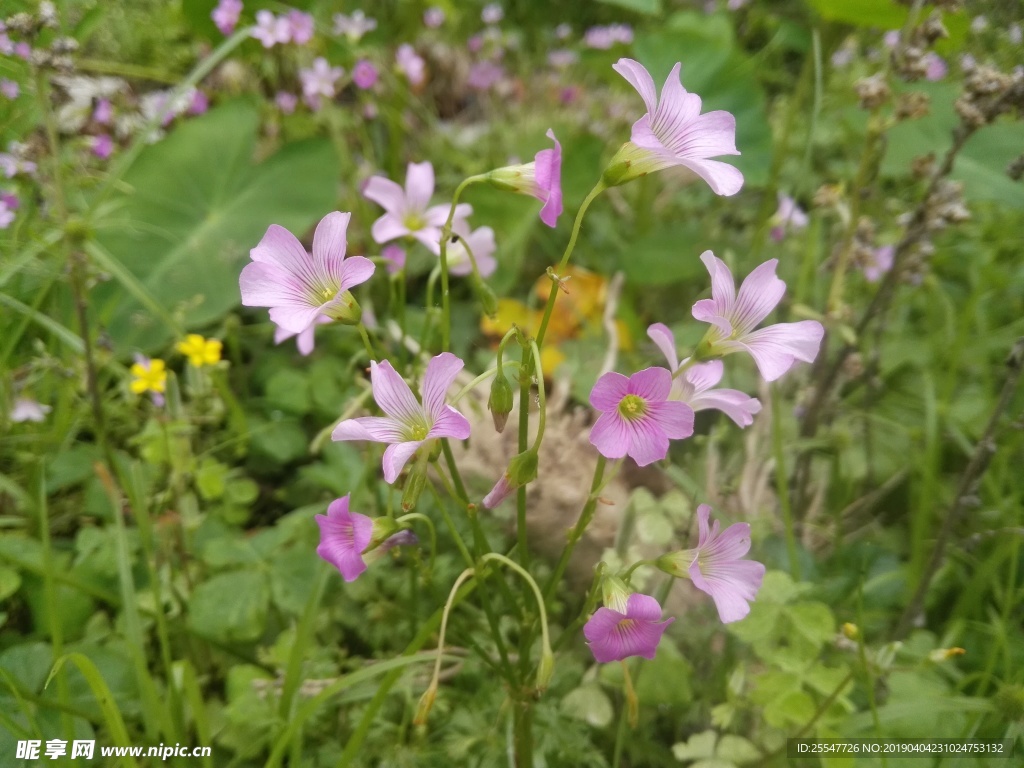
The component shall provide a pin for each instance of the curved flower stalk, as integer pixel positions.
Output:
(408, 212)
(715, 566)
(541, 179)
(733, 318)
(696, 385)
(637, 417)
(627, 625)
(674, 132)
(299, 287)
(407, 424)
(481, 244)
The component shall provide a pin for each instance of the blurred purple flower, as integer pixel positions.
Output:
(8, 204)
(199, 104)
(637, 418)
(604, 37)
(733, 318)
(103, 114)
(395, 257)
(880, 262)
(891, 38)
(410, 64)
(354, 25)
(789, 215)
(1015, 35)
(226, 14)
(271, 30)
(562, 58)
(297, 286)
(364, 74)
(936, 68)
(9, 88)
(407, 424)
(102, 146)
(480, 242)
(408, 211)
(27, 409)
(433, 17)
(300, 27)
(319, 80)
(563, 31)
(484, 75)
(286, 102)
(630, 629)
(492, 13)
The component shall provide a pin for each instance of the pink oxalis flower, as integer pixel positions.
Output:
(480, 242)
(411, 64)
(300, 27)
(716, 567)
(541, 179)
(364, 74)
(344, 536)
(733, 318)
(354, 25)
(408, 211)
(271, 30)
(27, 409)
(789, 215)
(407, 424)
(226, 14)
(297, 286)
(695, 386)
(879, 263)
(674, 132)
(637, 418)
(630, 627)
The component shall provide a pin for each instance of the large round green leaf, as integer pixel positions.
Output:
(197, 203)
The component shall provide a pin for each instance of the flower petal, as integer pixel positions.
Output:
(724, 179)
(610, 435)
(664, 339)
(608, 391)
(419, 185)
(652, 384)
(638, 76)
(703, 376)
(280, 247)
(648, 442)
(374, 428)
(731, 588)
(441, 372)
(449, 423)
(355, 270)
(331, 237)
(760, 293)
(673, 417)
(393, 395)
(388, 227)
(396, 456)
(776, 348)
(387, 194)
(738, 406)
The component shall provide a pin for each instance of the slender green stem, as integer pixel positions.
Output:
(479, 379)
(542, 406)
(782, 484)
(523, 438)
(432, 688)
(435, 273)
(408, 518)
(545, 637)
(446, 233)
(629, 572)
(367, 344)
(586, 515)
(598, 189)
(459, 543)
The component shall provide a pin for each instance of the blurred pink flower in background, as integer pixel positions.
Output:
(604, 37)
(27, 409)
(286, 102)
(410, 64)
(300, 27)
(226, 14)
(492, 13)
(271, 30)
(433, 17)
(102, 146)
(364, 74)
(354, 25)
(395, 257)
(936, 68)
(104, 112)
(9, 88)
(788, 215)
(879, 263)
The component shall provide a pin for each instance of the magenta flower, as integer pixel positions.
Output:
(541, 179)
(789, 215)
(407, 425)
(271, 30)
(715, 566)
(364, 74)
(879, 263)
(408, 211)
(673, 132)
(104, 112)
(305, 340)
(637, 418)
(630, 629)
(344, 536)
(199, 104)
(353, 26)
(300, 27)
(695, 386)
(298, 286)
(481, 244)
(733, 318)
(395, 257)
(102, 146)
(226, 14)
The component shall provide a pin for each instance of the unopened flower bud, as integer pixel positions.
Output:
(484, 294)
(383, 528)
(499, 403)
(426, 702)
(523, 467)
(850, 630)
(414, 487)
(545, 670)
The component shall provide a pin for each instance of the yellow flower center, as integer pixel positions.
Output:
(632, 407)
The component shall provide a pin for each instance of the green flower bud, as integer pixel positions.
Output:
(347, 311)
(523, 468)
(383, 528)
(484, 294)
(500, 401)
(545, 670)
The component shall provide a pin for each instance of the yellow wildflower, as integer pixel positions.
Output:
(200, 351)
(150, 376)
